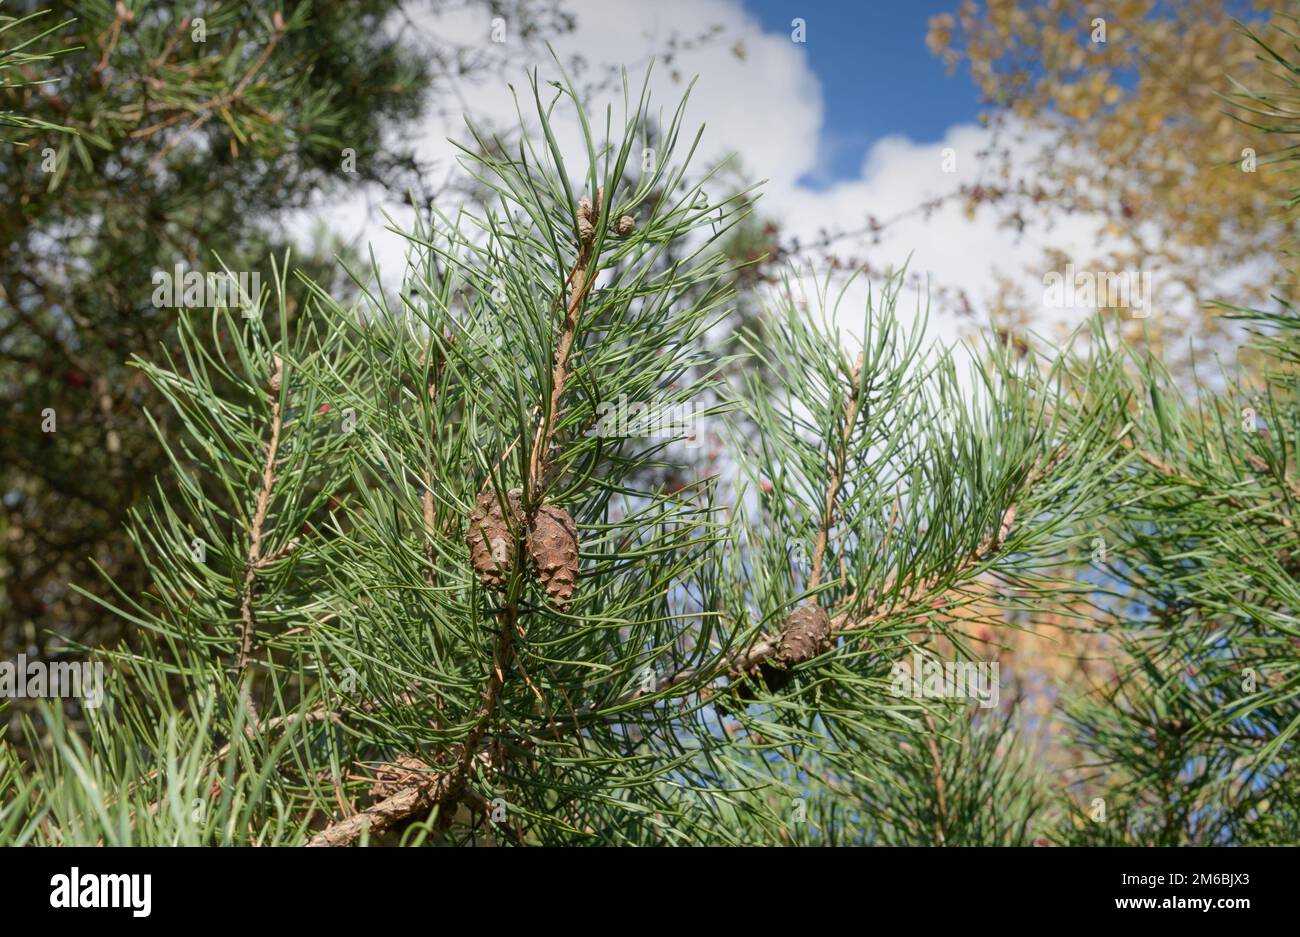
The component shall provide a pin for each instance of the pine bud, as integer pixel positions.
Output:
(553, 547)
(586, 220)
(491, 538)
(625, 225)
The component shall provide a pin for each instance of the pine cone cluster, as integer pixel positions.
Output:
(551, 542)
(588, 216)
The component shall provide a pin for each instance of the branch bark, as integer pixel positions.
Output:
(836, 479)
(253, 563)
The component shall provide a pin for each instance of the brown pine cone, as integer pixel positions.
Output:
(625, 225)
(806, 633)
(553, 547)
(491, 539)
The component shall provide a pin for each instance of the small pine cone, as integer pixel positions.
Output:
(806, 634)
(490, 540)
(553, 546)
(625, 225)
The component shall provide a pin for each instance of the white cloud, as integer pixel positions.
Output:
(767, 107)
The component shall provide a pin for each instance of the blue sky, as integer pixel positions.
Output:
(877, 76)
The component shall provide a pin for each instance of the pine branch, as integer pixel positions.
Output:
(580, 282)
(255, 533)
(1169, 471)
(446, 788)
(593, 717)
(203, 113)
(836, 478)
(437, 790)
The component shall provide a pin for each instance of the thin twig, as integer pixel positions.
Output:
(580, 283)
(836, 479)
(426, 499)
(255, 532)
(418, 798)
(1169, 471)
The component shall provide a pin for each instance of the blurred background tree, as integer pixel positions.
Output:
(1118, 111)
